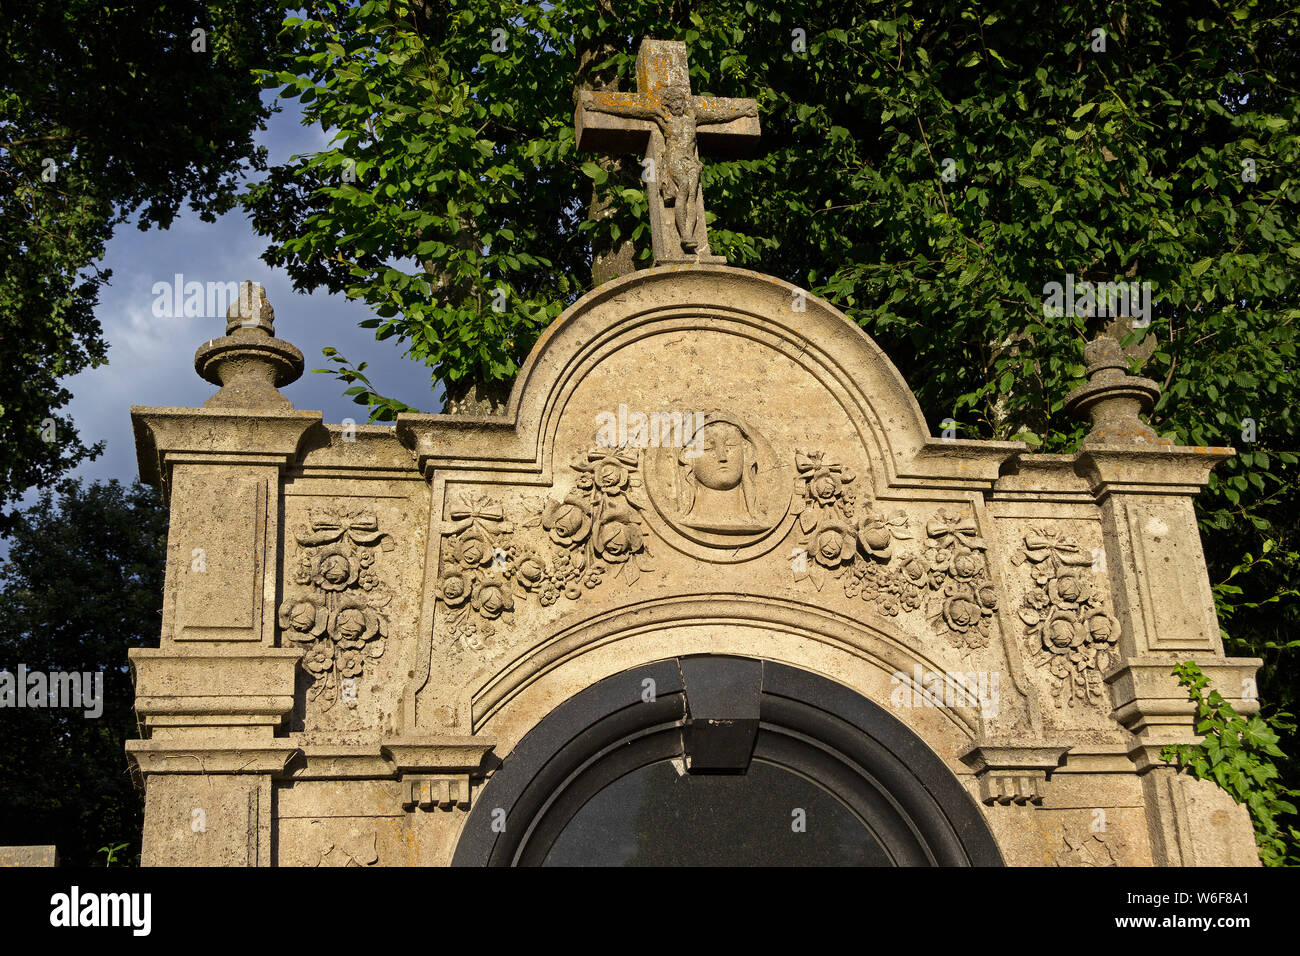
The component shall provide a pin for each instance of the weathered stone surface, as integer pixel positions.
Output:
(29, 856)
(695, 460)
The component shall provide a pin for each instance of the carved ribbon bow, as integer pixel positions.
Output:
(477, 512)
(945, 529)
(1039, 546)
(623, 455)
(814, 465)
(360, 527)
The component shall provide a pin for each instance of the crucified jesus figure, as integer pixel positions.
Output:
(677, 117)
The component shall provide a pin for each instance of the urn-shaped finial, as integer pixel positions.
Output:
(251, 310)
(249, 362)
(1113, 399)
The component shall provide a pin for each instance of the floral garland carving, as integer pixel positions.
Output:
(336, 610)
(857, 546)
(596, 528)
(1067, 626)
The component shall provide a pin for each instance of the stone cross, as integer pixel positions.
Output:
(672, 127)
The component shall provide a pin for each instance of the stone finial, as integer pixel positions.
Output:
(251, 310)
(1113, 399)
(249, 362)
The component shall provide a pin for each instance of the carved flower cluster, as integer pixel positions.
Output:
(596, 528)
(335, 608)
(859, 547)
(957, 564)
(1067, 626)
(475, 560)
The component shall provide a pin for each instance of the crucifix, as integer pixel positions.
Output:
(672, 127)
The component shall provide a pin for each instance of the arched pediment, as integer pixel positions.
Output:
(690, 339)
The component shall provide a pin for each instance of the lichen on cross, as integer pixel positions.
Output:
(672, 127)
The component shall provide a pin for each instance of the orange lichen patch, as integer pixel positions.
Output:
(655, 70)
(608, 99)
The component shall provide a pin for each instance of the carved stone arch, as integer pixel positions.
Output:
(853, 370)
(786, 630)
(725, 715)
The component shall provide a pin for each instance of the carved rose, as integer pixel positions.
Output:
(961, 613)
(833, 545)
(875, 538)
(1062, 634)
(474, 548)
(824, 488)
(618, 540)
(453, 589)
(1102, 628)
(351, 627)
(568, 523)
(987, 596)
(610, 476)
(336, 571)
(1069, 590)
(319, 659)
(491, 597)
(302, 620)
(967, 564)
(530, 572)
(914, 571)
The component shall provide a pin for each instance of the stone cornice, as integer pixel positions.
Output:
(213, 754)
(214, 681)
(249, 436)
(1148, 469)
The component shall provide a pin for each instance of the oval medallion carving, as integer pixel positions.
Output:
(724, 488)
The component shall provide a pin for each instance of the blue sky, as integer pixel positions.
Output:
(151, 360)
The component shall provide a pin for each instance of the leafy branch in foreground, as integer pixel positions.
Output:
(1236, 754)
(362, 392)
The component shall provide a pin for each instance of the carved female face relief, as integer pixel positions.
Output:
(725, 488)
(716, 480)
(719, 456)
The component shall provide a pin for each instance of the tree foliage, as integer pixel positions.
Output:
(107, 112)
(1237, 753)
(83, 582)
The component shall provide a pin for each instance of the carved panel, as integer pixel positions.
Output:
(561, 548)
(945, 576)
(335, 600)
(220, 568)
(1067, 627)
(1177, 609)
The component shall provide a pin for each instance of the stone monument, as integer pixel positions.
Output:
(509, 640)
